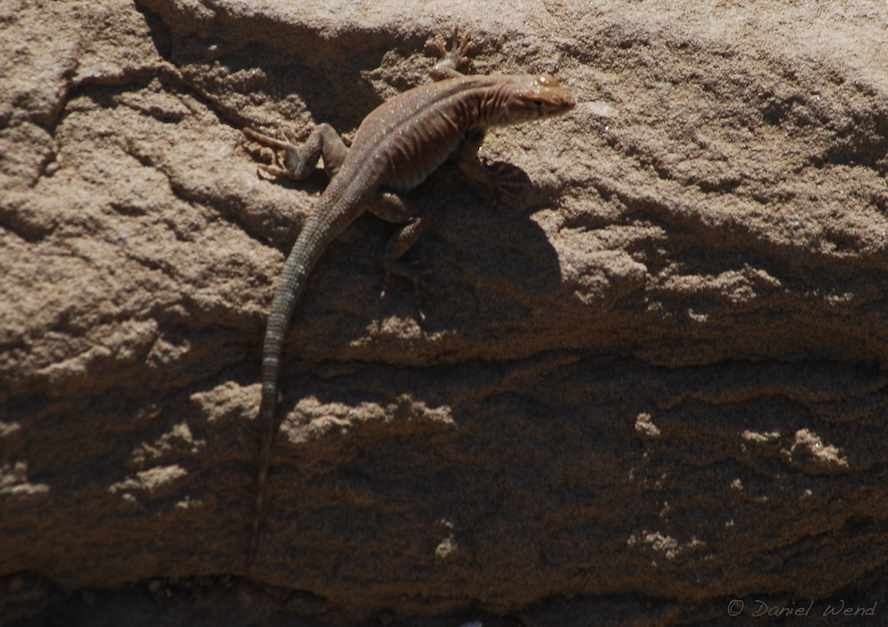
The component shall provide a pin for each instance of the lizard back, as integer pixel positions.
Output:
(412, 134)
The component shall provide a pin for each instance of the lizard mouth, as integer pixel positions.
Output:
(553, 97)
(559, 103)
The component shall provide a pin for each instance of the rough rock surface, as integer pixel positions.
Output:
(657, 384)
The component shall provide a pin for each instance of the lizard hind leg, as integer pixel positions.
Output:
(393, 208)
(300, 161)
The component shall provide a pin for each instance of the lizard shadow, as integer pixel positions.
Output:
(484, 262)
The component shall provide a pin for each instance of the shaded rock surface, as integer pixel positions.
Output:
(654, 385)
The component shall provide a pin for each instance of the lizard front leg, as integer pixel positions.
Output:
(453, 57)
(299, 162)
(501, 181)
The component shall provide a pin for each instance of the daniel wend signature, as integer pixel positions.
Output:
(758, 608)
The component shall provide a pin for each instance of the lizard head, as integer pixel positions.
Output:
(531, 97)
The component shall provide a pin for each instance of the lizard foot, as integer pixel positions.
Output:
(458, 50)
(453, 56)
(276, 168)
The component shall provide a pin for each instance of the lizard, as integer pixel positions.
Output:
(396, 147)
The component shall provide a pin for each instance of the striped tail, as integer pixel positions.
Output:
(308, 248)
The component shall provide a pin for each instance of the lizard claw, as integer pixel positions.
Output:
(265, 140)
(270, 172)
(457, 52)
(286, 157)
(460, 45)
(273, 166)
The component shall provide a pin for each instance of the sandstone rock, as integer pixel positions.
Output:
(655, 385)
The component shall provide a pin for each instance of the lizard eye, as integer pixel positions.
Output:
(548, 81)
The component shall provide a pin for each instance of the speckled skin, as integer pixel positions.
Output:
(396, 148)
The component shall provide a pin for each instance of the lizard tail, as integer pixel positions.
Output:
(308, 248)
(266, 417)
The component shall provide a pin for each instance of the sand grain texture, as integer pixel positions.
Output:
(656, 384)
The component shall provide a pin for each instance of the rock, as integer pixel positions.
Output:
(655, 385)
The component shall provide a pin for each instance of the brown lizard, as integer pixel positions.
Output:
(397, 146)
